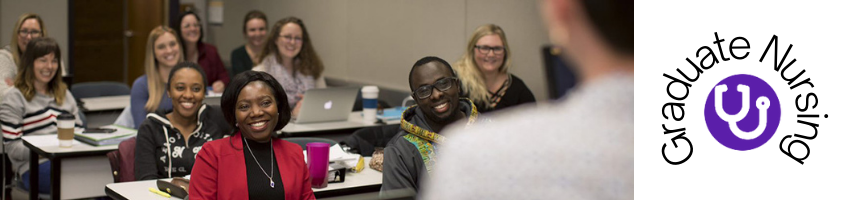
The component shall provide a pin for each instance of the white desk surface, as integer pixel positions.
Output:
(136, 189)
(50, 144)
(366, 177)
(106, 103)
(355, 120)
(79, 176)
(139, 189)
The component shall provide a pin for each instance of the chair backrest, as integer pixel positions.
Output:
(304, 140)
(99, 89)
(123, 160)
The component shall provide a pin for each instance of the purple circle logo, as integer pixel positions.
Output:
(742, 112)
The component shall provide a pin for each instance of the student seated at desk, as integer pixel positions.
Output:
(436, 90)
(168, 141)
(31, 107)
(290, 58)
(483, 69)
(252, 164)
(162, 52)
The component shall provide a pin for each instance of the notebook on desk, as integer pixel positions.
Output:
(327, 105)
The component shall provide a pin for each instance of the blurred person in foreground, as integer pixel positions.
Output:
(581, 146)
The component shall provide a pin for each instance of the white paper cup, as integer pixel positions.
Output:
(370, 104)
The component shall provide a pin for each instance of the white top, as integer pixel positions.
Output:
(8, 70)
(580, 148)
(294, 84)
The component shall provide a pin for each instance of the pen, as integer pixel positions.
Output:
(160, 193)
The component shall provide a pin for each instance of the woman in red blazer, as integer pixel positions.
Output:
(252, 164)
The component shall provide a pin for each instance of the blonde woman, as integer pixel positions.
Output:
(483, 70)
(289, 57)
(28, 27)
(163, 51)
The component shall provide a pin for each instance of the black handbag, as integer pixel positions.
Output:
(178, 187)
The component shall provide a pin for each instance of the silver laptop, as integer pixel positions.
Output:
(327, 104)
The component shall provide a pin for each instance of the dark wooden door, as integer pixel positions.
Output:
(143, 16)
(97, 40)
(108, 38)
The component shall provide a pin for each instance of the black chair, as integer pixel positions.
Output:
(99, 89)
(96, 89)
(302, 141)
(365, 140)
(8, 177)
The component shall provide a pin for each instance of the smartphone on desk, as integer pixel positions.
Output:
(99, 130)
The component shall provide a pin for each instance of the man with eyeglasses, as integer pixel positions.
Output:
(410, 155)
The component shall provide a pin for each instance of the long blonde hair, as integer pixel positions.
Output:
(307, 61)
(16, 50)
(25, 80)
(467, 69)
(156, 86)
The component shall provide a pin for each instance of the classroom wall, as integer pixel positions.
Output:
(54, 13)
(358, 40)
(377, 41)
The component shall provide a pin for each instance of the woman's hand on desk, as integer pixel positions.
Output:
(218, 87)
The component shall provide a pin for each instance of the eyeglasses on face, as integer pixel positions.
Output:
(25, 32)
(443, 84)
(498, 50)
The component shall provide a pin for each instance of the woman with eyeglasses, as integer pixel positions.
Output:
(289, 57)
(28, 27)
(483, 70)
(197, 51)
(253, 163)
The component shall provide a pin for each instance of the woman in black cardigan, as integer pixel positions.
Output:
(483, 70)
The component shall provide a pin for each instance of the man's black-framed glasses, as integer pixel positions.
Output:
(443, 84)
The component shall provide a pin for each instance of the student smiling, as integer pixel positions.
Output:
(253, 164)
(169, 140)
(31, 107)
(162, 52)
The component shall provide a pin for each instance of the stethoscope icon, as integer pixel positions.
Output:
(762, 103)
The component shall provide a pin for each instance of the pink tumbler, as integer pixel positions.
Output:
(317, 162)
